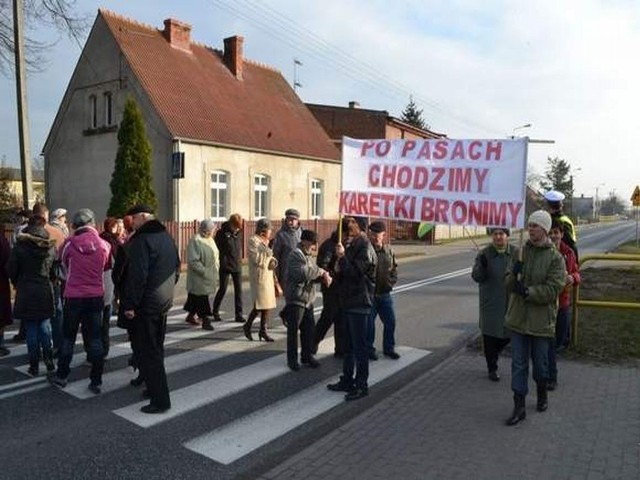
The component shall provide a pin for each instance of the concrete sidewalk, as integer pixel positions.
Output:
(449, 424)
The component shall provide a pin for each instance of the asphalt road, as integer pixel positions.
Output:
(237, 410)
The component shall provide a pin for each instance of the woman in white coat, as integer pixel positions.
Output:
(262, 264)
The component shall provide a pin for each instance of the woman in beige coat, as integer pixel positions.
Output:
(203, 263)
(262, 264)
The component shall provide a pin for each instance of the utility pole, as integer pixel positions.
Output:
(21, 97)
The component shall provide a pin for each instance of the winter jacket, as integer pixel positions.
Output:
(356, 275)
(151, 272)
(107, 277)
(229, 245)
(286, 240)
(301, 277)
(386, 270)
(572, 269)
(260, 275)
(30, 270)
(5, 288)
(326, 259)
(489, 270)
(203, 264)
(543, 274)
(84, 256)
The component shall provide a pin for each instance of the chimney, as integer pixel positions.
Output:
(233, 55)
(354, 104)
(177, 33)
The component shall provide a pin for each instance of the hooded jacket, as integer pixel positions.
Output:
(85, 257)
(229, 245)
(30, 270)
(543, 274)
(285, 241)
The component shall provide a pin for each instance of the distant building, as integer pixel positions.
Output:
(581, 209)
(250, 145)
(12, 177)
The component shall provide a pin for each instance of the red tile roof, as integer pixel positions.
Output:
(199, 98)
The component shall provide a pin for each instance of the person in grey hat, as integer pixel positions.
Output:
(489, 268)
(534, 284)
(287, 238)
(203, 263)
(58, 219)
(85, 257)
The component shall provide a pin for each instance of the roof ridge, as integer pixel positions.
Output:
(111, 13)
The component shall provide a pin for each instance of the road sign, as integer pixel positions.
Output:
(635, 198)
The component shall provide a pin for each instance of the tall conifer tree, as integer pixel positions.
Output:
(413, 115)
(131, 182)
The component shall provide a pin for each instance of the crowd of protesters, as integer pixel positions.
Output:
(70, 280)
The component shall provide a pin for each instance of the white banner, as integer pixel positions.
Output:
(454, 182)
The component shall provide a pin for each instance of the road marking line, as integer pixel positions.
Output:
(32, 388)
(241, 437)
(120, 378)
(22, 383)
(208, 391)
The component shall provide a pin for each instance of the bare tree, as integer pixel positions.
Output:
(58, 14)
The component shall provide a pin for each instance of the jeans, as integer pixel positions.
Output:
(56, 320)
(357, 354)
(562, 339)
(299, 318)
(223, 276)
(88, 312)
(106, 324)
(38, 337)
(383, 306)
(523, 347)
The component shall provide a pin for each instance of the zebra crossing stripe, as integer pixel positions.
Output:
(124, 348)
(208, 391)
(241, 437)
(120, 378)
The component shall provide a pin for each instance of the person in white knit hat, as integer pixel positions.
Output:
(535, 282)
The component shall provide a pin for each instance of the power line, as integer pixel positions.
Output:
(287, 31)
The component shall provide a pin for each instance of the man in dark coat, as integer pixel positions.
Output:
(229, 242)
(152, 271)
(5, 292)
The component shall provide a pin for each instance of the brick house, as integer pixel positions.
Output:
(249, 143)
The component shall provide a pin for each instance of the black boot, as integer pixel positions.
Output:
(34, 363)
(519, 410)
(247, 325)
(543, 403)
(206, 323)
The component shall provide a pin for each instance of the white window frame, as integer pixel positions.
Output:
(219, 187)
(317, 198)
(261, 184)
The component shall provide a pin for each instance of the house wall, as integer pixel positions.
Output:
(289, 182)
(79, 160)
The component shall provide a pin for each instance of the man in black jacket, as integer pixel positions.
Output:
(152, 271)
(229, 242)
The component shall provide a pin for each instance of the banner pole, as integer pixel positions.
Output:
(339, 228)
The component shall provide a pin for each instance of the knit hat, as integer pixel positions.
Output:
(309, 236)
(83, 217)
(377, 227)
(57, 213)
(541, 218)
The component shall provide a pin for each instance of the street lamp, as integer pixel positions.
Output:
(596, 210)
(513, 132)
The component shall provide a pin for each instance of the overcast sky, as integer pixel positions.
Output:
(478, 69)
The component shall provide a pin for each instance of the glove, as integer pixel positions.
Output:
(483, 261)
(517, 268)
(520, 289)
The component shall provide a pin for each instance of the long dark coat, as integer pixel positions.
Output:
(5, 289)
(30, 270)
